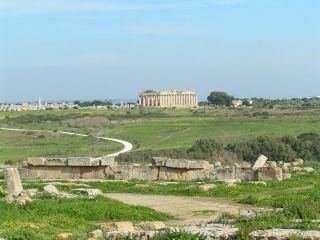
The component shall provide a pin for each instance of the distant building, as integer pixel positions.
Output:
(174, 98)
(236, 103)
(39, 102)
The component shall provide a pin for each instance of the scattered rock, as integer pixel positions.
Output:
(97, 233)
(29, 192)
(141, 185)
(286, 176)
(295, 169)
(12, 177)
(299, 160)
(117, 226)
(214, 231)
(217, 164)
(91, 192)
(152, 226)
(64, 235)
(33, 226)
(259, 162)
(207, 187)
(275, 233)
(258, 182)
(308, 169)
(22, 200)
(51, 189)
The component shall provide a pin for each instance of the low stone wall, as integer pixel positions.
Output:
(165, 169)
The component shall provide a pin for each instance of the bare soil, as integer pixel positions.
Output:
(187, 210)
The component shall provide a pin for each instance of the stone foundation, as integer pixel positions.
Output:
(164, 169)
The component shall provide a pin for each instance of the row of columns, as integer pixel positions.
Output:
(168, 100)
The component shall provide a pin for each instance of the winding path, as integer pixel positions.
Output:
(127, 145)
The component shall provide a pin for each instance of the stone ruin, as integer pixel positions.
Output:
(161, 168)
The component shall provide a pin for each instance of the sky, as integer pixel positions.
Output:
(103, 49)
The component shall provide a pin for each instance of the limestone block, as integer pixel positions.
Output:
(192, 174)
(120, 172)
(246, 174)
(295, 163)
(83, 161)
(107, 161)
(51, 189)
(299, 160)
(257, 182)
(270, 173)
(91, 192)
(277, 233)
(286, 176)
(159, 161)
(64, 235)
(36, 161)
(145, 173)
(56, 162)
(272, 163)
(295, 169)
(286, 165)
(92, 172)
(152, 226)
(117, 226)
(28, 173)
(206, 187)
(217, 164)
(12, 177)
(259, 162)
(58, 172)
(308, 169)
(97, 233)
(29, 192)
(177, 163)
(223, 173)
(168, 174)
(200, 164)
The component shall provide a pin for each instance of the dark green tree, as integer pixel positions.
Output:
(220, 99)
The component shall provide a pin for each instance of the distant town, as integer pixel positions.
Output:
(156, 99)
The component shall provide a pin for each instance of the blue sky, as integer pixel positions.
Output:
(101, 49)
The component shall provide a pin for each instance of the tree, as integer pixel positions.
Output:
(220, 99)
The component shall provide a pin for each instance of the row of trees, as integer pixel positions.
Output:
(93, 103)
(286, 148)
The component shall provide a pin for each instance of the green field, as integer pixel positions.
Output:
(158, 129)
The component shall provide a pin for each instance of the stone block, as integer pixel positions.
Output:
(308, 169)
(217, 164)
(192, 174)
(207, 187)
(28, 172)
(92, 172)
(259, 162)
(107, 161)
(299, 160)
(246, 174)
(159, 161)
(56, 172)
(168, 174)
(152, 226)
(200, 164)
(145, 173)
(272, 163)
(51, 189)
(286, 176)
(117, 226)
(270, 173)
(12, 177)
(83, 161)
(120, 172)
(91, 192)
(223, 173)
(177, 163)
(56, 162)
(36, 161)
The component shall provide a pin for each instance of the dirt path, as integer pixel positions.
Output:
(188, 210)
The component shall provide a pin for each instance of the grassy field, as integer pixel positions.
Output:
(17, 146)
(158, 129)
(176, 128)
